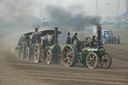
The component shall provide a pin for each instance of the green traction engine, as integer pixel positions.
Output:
(88, 53)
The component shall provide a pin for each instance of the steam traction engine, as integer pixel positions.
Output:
(23, 46)
(43, 47)
(88, 53)
(48, 50)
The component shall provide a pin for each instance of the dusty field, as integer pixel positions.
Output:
(16, 71)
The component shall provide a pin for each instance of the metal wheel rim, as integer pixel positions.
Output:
(37, 53)
(22, 51)
(68, 55)
(49, 56)
(27, 52)
(92, 60)
(105, 60)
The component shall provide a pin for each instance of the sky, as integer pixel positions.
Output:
(105, 7)
(61, 11)
(18, 9)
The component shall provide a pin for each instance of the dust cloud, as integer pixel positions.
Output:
(24, 15)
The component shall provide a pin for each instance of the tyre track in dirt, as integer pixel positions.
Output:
(16, 71)
(59, 75)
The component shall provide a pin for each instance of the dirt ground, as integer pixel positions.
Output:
(16, 71)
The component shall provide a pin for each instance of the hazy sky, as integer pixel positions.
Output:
(106, 7)
(19, 8)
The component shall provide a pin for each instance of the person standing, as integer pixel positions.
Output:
(74, 37)
(118, 39)
(68, 39)
(115, 40)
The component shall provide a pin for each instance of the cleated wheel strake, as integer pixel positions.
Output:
(69, 55)
(28, 53)
(106, 61)
(37, 53)
(92, 60)
(49, 57)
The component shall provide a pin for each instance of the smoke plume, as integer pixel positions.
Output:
(15, 9)
(68, 18)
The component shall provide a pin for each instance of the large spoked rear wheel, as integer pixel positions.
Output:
(37, 53)
(106, 61)
(69, 55)
(23, 50)
(49, 57)
(92, 60)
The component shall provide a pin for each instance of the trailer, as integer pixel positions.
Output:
(107, 36)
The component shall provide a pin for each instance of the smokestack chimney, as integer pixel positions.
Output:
(36, 29)
(55, 35)
(99, 34)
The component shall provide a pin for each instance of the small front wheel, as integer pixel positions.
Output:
(49, 57)
(106, 61)
(28, 53)
(37, 52)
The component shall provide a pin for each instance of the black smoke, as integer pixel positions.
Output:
(15, 10)
(67, 18)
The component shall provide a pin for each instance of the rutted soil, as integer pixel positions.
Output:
(16, 71)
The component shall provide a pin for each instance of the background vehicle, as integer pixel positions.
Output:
(46, 48)
(107, 36)
(89, 53)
